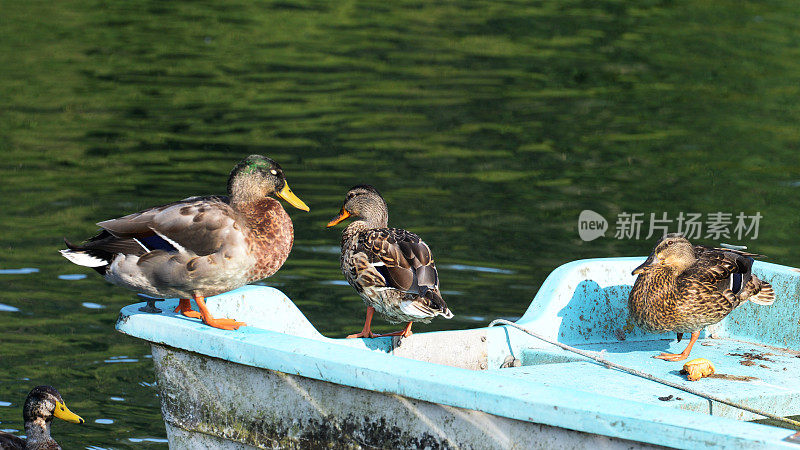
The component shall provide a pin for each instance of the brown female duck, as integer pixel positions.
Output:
(683, 288)
(43, 403)
(390, 268)
(200, 246)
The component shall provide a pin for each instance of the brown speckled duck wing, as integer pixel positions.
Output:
(742, 282)
(198, 224)
(718, 282)
(405, 263)
(10, 442)
(190, 247)
(155, 229)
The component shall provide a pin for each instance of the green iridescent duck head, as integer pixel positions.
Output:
(256, 177)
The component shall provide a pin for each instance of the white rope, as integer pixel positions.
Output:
(597, 356)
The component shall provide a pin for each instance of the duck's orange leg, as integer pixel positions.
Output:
(405, 332)
(366, 332)
(682, 355)
(208, 319)
(185, 308)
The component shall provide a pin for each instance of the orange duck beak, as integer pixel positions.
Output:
(343, 214)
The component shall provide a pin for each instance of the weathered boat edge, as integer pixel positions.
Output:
(349, 364)
(456, 387)
(279, 410)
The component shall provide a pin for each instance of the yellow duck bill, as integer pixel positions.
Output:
(63, 413)
(293, 200)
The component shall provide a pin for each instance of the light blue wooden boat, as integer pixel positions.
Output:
(280, 384)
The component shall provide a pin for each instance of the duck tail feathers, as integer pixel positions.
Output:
(83, 256)
(437, 303)
(765, 296)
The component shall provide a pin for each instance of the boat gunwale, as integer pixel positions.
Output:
(493, 393)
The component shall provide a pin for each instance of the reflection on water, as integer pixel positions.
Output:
(329, 249)
(121, 359)
(476, 268)
(73, 276)
(488, 127)
(22, 271)
(91, 305)
(145, 440)
(335, 282)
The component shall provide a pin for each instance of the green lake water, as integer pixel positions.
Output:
(489, 126)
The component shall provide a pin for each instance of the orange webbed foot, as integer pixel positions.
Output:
(401, 333)
(682, 355)
(208, 319)
(224, 324)
(671, 356)
(362, 334)
(366, 332)
(405, 332)
(185, 308)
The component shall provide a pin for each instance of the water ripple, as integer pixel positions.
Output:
(156, 440)
(72, 276)
(8, 308)
(91, 305)
(327, 249)
(477, 268)
(23, 270)
(335, 282)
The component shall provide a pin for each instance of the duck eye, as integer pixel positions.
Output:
(273, 171)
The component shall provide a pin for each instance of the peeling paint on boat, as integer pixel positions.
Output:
(432, 388)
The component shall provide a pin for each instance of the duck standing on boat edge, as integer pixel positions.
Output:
(391, 269)
(199, 246)
(683, 288)
(42, 404)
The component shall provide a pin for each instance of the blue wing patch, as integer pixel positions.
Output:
(156, 242)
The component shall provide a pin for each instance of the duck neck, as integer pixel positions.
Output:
(368, 220)
(376, 216)
(37, 432)
(244, 190)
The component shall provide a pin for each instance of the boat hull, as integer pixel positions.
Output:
(212, 403)
(279, 383)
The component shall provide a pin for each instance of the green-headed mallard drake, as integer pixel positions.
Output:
(200, 246)
(390, 268)
(683, 288)
(42, 404)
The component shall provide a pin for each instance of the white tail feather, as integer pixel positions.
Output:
(416, 309)
(83, 259)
